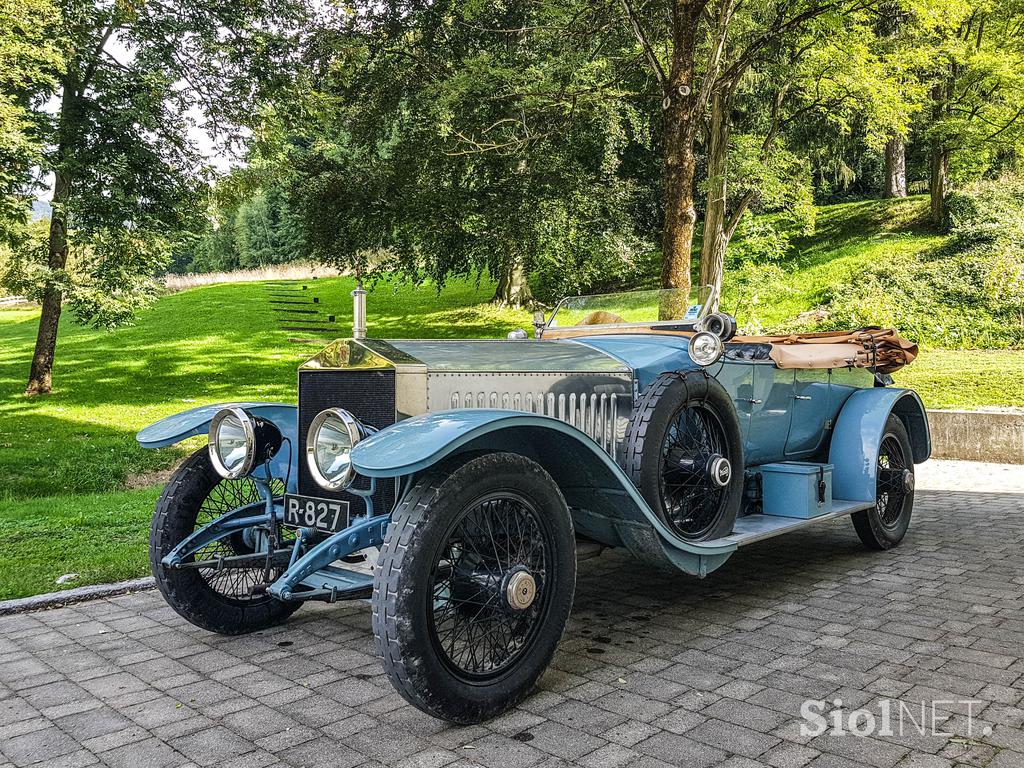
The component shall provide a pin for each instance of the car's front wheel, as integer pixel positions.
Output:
(474, 586)
(221, 599)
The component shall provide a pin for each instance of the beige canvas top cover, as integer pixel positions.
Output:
(880, 348)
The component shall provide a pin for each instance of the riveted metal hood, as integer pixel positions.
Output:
(577, 383)
(466, 356)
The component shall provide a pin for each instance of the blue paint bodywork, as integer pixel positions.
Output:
(196, 421)
(617, 513)
(648, 356)
(784, 415)
(858, 432)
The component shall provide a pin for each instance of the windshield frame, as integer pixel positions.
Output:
(706, 291)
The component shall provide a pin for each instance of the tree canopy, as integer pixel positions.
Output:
(559, 146)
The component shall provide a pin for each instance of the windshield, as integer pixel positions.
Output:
(659, 305)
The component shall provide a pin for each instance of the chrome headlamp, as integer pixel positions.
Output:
(705, 348)
(238, 440)
(332, 436)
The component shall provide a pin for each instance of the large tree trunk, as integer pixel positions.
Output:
(679, 123)
(716, 239)
(895, 167)
(513, 289)
(40, 380)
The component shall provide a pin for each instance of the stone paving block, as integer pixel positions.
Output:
(152, 753)
(93, 723)
(47, 743)
(681, 750)
(560, 740)
(211, 746)
(737, 738)
(497, 751)
(655, 669)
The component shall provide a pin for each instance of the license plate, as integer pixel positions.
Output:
(310, 512)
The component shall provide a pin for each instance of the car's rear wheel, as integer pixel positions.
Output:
(684, 453)
(474, 586)
(221, 600)
(884, 525)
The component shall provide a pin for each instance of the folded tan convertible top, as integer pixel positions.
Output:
(880, 348)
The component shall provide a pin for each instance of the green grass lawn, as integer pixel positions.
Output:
(846, 238)
(65, 458)
(76, 491)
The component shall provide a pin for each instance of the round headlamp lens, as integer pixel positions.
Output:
(332, 435)
(232, 442)
(705, 348)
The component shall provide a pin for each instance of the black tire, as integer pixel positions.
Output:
(195, 495)
(686, 417)
(429, 542)
(884, 525)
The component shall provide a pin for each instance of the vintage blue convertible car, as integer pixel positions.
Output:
(456, 483)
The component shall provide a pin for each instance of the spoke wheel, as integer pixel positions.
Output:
(474, 585)
(690, 495)
(884, 525)
(684, 453)
(891, 483)
(223, 599)
(236, 582)
(496, 545)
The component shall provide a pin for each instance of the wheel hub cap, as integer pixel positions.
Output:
(908, 480)
(520, 590)
(720, 471)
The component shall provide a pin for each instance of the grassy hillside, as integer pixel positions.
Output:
(76, 491)
(847, 238)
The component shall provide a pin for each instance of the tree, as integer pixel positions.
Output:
(454, 138)
(29, 59)
(712, 45)
(126, 170)
(976, 87)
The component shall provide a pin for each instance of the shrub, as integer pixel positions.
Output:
(969, 292)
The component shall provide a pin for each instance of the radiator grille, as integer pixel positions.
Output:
(595, 414)
(367, 395)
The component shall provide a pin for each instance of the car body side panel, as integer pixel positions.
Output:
(614, 511)
(196, 421)
(858, 432)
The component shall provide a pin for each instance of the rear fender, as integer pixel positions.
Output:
(858, 433)
(181, 426)
(606, 505)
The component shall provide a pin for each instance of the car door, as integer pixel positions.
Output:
(770, 403)
(810, 407)
(738, 380)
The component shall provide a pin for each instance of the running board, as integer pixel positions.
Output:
(751, 528)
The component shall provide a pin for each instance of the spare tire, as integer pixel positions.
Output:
(684, 452)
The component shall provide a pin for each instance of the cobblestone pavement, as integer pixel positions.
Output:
(654, 669)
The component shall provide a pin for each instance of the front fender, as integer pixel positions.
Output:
(858, 433)
(587, 475)
(181, 426)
